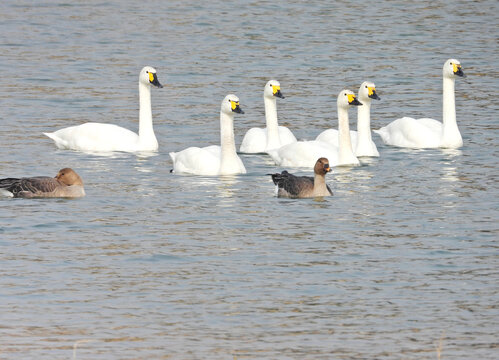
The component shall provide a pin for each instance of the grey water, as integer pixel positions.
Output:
(401, 263)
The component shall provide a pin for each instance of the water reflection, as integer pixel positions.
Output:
(219, 266)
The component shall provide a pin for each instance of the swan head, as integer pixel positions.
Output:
(231, 105)
(68, 177)
(273, 89)
(148, 77)
(367, 91)
(347, 98)
(452, 68)
(322, 166)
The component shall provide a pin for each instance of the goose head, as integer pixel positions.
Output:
(322, 166)
(347, 98)
(272, 89)
(230, 105)
(367, 91)
(452, 68)
(68, 177)
(148, 77)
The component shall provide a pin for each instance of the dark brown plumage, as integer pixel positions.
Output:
(291, 186)
(67, 183)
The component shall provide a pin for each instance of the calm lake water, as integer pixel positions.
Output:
(400, 264)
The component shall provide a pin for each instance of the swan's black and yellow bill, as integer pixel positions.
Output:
(153, 79)
(235, 107)
(371, 90)
(458, 70)
(276, 90)
(327, 168)
(352, 100)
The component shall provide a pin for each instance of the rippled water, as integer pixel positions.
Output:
(400, 264)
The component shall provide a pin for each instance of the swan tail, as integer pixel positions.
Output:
(383, 133)
(60, 143)
(173, 156)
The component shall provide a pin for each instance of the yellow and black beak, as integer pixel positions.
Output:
(153, 79)
(276, 90)
(352, 100)
(372, 93)
(235, 107)
(458, 70)
(327, 168)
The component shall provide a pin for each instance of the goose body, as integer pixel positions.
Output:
(98, 137)
(260, 140)
(67, 183)
(362, 142)
(429, 133)
(291, 186)
(305, 153)
(214, 160)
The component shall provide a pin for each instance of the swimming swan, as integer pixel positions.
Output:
(214, 160)
(67, 183)
(364, 147)
(306, 153)
(291, 186)
(108, 137)
(429, 133)
(259, 140)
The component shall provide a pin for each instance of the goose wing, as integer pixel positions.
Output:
(29, 186)
(290, 185)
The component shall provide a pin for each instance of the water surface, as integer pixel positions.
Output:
(400, 264)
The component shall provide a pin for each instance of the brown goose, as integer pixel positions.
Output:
(67, 183)
(292, 186)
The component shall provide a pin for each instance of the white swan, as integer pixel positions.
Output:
(108, 137)
(214, 160)
(429, 133)
(361, 139)
(306, 153)
(258, 140)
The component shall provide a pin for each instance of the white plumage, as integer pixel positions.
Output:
(429, 133)
(98, 137)
(306, 153)
(214, 160)
(260, 140)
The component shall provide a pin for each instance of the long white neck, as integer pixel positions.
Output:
(147, 139)
(345, 152)
(451, 137)
(227, 143)
(364, 126)
(273, 140)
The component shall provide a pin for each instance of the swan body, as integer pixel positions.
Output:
(98, 137)
(429, 133)
(214, 160)
(362, 142)
(306, 153)
(258, 140)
